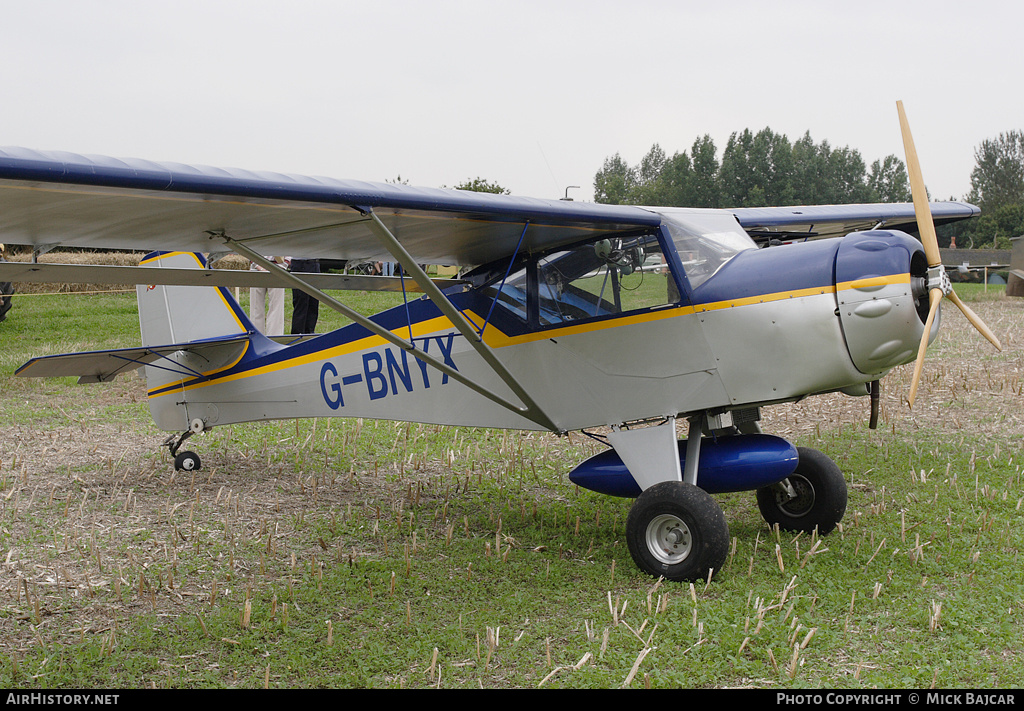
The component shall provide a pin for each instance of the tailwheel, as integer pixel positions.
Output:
(187, 461)
(813, 497)
(678, 532)
(184, 461)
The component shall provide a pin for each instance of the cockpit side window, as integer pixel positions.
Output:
(597, 279)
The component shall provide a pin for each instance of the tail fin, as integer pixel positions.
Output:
(180, 314)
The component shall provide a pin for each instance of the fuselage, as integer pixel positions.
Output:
(687, 318)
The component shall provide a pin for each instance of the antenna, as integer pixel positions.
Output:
(567, 189)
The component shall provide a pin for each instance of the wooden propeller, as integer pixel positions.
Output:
(931, 250)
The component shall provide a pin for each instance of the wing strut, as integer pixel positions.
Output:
(531, 411)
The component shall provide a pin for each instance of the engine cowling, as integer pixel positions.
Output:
(881, 298)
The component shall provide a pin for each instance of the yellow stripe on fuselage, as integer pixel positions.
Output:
(495, 338)
(424, 327)
(764, 298)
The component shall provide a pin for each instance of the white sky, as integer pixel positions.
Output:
(531, 95)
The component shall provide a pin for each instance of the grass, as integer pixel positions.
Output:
(349, 553)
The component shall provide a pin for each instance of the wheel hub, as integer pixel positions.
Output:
(803, 500)
(669, 539)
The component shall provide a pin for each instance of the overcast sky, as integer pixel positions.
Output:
(531, 95)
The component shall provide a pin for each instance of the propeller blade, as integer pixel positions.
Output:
(934, 299)
(926, 227)
(920, 194)
(975, 320)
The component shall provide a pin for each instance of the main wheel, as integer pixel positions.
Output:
(187, 461)
(677, 531)
(820, 500)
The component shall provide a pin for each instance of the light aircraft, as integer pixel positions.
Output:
(615, 320)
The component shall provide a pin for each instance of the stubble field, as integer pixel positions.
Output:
(349, 553)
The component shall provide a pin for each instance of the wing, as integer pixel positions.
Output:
(50, 199)
(821, 221)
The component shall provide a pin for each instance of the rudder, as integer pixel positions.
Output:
(184, 315)
(181, 314)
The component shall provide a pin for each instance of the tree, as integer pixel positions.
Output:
(756, 169)
(809, 161)
(824, 175)
(479, 185)
(615, 182)
(995, 227)
(704, 189)
(847, 177)
(737, 178)
(997, 187)
(649, 188)
(773, 159)
(679, 181)
(676, 181)
(998, 175)
(888, 181)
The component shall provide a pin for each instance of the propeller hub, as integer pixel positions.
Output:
(938, 279)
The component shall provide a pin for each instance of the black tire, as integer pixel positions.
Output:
(187, 461)
(820, 496)
(678, 532)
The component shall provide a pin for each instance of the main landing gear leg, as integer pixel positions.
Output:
(674, 529)
(185, 461)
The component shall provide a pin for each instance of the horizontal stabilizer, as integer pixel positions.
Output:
(103, 366)
(101, 274)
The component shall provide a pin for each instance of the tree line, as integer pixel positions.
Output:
(997, 187)
(766, 168)
(755, 170)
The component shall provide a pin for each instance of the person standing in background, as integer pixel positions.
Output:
(305, 309)
(6, 290)
(266, 305)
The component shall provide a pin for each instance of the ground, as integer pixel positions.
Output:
(90, 505)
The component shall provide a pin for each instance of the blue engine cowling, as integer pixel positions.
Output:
(736, 463)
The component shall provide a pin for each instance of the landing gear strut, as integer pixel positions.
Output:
(185, 461)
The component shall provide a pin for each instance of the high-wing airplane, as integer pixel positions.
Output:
(615, 320)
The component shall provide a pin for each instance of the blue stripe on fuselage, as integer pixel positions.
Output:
(798, 267)
(758, 272)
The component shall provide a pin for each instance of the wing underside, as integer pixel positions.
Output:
(49, 199)
(52, 199)
(823, 221)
